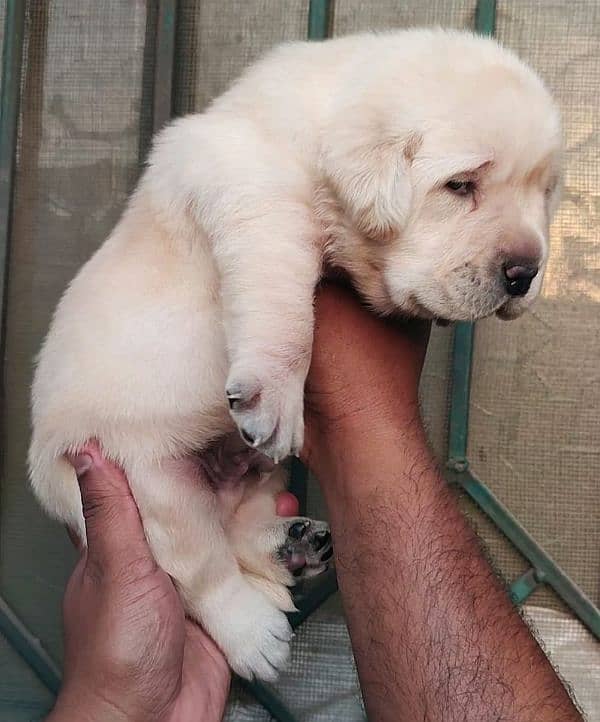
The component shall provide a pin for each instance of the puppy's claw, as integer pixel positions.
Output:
(248, 438)
(233, 400)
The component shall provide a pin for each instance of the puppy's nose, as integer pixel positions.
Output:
(518, 277)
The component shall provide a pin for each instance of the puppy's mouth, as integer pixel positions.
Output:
(507, 311)
(446, 312)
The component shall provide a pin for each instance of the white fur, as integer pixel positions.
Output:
(330, 154)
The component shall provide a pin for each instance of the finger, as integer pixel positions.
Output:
(287, 504)
(114, 530)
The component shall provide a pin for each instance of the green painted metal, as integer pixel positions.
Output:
(12, 60)
(319, 19)
(29, 648)
(458, 423)
(485, 17)
(162, 100)
(524, 586)
(270, 700)
(545, 569)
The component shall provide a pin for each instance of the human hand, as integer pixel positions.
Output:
(130, 653)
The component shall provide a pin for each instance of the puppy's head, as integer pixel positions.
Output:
(454, 181)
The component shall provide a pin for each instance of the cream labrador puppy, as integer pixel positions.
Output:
(423, 164)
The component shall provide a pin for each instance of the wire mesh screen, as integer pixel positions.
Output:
(77, 161)
(536, 382)
(217, 40)
(354, 15)
(85, 123)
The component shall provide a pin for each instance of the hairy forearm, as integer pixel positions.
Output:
(434, 634)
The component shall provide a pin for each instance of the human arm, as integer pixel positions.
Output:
(434, 633)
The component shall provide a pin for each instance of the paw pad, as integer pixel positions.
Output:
(308, 548)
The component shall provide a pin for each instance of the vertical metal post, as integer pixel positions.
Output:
(12, 60)
(485, 17)
(319, 19)
(462, 350)
(162, 96)
(29, 647)
(458, 422)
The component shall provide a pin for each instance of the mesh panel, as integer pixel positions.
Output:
(536, 382)
(217, 40)
(355, 15)
(573, 651)
(77, 160)
(322, 683)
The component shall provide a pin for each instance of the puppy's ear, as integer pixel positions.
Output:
(372, 180)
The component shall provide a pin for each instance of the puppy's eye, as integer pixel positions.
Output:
(461, 187)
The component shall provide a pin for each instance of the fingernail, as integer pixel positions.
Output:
(81, 463)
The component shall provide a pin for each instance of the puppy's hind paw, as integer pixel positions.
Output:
(307, 549)
(252, 633)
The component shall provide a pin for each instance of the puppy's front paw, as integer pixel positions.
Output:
(268, 413)
(252, 633)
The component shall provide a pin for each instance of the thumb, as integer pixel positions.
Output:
(114, 530)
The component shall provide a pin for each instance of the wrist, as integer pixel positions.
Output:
(362, 445)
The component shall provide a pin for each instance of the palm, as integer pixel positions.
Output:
(194, 672)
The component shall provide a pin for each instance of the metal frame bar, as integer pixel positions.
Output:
(12, 61)
(162, 95)
(29, 648)
(544, 570)
(320, 18)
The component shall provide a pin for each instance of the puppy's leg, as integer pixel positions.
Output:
(183, 527)
(269, 268)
